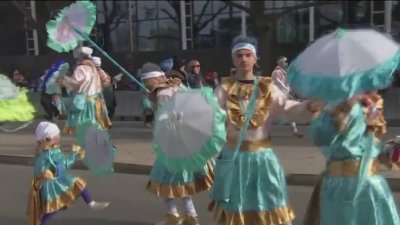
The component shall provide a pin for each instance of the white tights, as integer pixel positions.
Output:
(187, 204)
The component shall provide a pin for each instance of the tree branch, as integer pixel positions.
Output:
(202, 12)
(214, 15)
(238, 6)
(171, 16)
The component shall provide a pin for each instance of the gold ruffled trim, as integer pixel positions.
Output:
(37, 208)
(66, 199)
(236, 91)
(180, 191)
(273, 217)
(249, 146)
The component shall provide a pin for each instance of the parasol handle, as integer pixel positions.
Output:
(111, 59)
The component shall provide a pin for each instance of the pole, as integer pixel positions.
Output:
(311, 25)
(243, 19)
(130, 25)
(388, 16)
(183, 25)
(34, 31)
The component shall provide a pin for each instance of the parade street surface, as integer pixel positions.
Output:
(130, 203)
(301, 160)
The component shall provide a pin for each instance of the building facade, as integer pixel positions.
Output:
(152, 30)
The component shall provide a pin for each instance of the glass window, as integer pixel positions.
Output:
(147, 27)
(147, 44)
(286, 26)
(147, 10)
(396, 20)
(121, 38)
(168, 35)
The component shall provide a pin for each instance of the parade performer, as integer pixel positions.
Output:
(345, 74)
(343, 135)
(163, 182)
(372, 106)
(51, 94)
(53, 187)
(255, 189)
(108, 87)
(87, 104)
(279, 78)
(14, 103)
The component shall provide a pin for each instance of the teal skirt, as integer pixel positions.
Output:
(374, 206)
(95, 111)
(169, 184)
(59, 193)
(258, 194)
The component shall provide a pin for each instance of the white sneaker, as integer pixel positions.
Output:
(98, 205)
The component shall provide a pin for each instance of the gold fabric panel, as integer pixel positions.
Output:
(350, 168)
(101, 117)
(274, 217)
(249, 146)
(237, 91)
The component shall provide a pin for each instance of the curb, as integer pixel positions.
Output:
(140, 169)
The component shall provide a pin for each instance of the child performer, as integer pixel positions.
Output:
(164, 183)
(53, 187)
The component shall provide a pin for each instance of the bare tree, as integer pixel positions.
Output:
(199, 23)
(113, 16)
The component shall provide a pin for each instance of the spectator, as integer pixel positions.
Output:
(178, 70)
(193, 76)
(19, 79)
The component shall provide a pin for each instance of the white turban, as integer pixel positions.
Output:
(96, 60)
(151, 74)
(78, 51)
(248, 46)
(46, 130)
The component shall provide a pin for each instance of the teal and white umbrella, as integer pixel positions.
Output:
(99, 151)
(189, 130)
(344, 63)
(72, 26)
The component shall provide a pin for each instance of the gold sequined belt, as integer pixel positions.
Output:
(350, 168)
(91, 97)
(249, 146)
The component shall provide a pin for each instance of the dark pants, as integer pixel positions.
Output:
(110, 100)
(46, 100)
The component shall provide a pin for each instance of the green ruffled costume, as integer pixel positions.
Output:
(14, 103)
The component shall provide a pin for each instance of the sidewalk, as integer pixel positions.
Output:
(301, 160)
